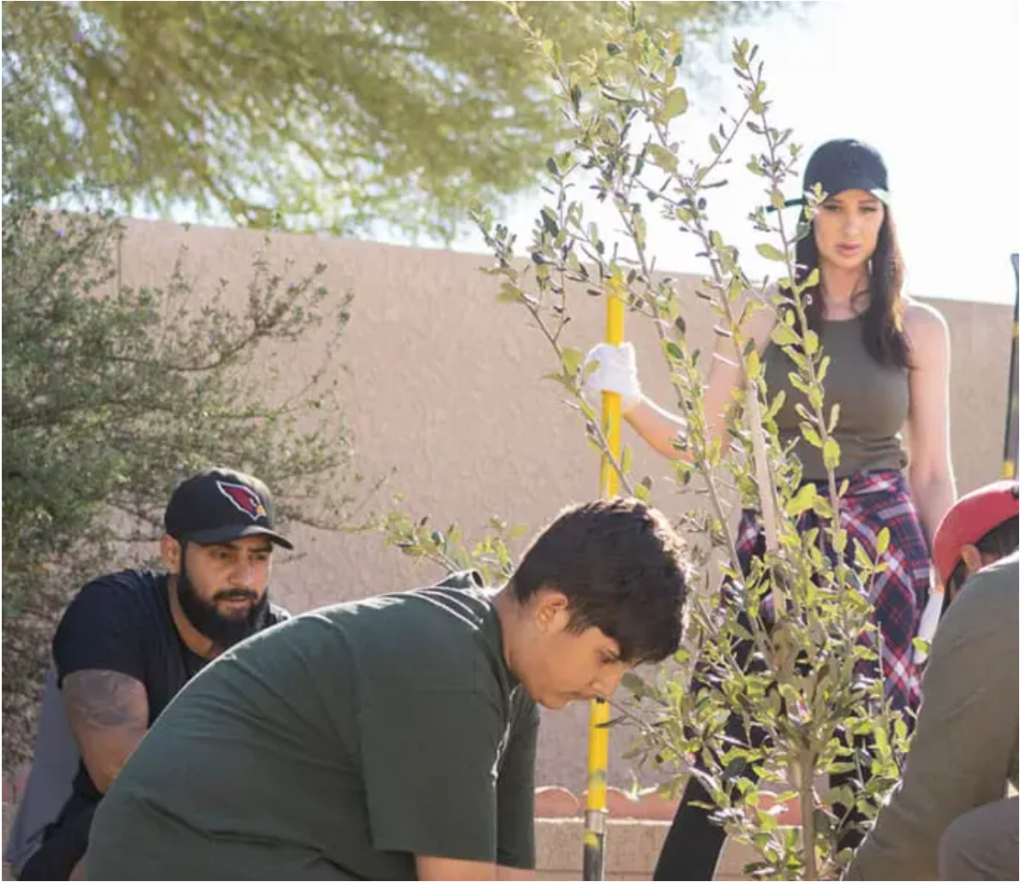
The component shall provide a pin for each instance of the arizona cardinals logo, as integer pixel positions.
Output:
(243, 498)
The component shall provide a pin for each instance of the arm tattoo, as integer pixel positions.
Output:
(105, 699)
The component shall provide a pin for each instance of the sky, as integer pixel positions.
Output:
(934, 86)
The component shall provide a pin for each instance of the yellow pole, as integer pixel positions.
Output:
(1009, 453)
(598, 734)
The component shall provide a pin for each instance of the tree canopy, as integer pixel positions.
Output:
(326, 115)
(111, 395)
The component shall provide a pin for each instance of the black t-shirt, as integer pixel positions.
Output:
(122, 622)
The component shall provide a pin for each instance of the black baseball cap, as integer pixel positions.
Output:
(221, 505)
(845, 164)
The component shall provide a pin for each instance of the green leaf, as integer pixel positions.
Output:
(549, 223)
(811, 435)
(861, 558)
(713, 142)
(811, 342)
(839, 541)
(589, 369)
(882, 541)
(753, 362)
(643, 489)
(776, 405)
(675, 104)
(626, 459)
(822, 507)
(509, 293)
(557, 377)
(640, 230)
(784, 335)
(572, 359)
(830, 454)
(804, 500)
(799, 383)
(769, 251)
(663, 158)
(833, 418)
(634, 684)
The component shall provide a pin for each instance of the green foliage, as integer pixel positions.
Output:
(492, 556)
(330, 115)
(111, 395)
(809, 687)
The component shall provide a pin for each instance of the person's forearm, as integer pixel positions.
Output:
(933, 496)
(657, 427)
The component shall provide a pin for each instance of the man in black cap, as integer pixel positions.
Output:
(128, 643)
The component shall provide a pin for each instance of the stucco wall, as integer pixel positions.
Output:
(445, 385)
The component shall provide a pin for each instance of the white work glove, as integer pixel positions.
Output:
(616, 372)
(929, 623)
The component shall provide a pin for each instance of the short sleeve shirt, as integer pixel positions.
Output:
(337, 746)
(122, 622)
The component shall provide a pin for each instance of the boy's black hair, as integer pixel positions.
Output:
(621, 566)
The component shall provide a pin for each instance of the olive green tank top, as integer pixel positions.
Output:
(873, 399)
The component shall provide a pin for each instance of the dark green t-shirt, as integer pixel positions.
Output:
(335, 746)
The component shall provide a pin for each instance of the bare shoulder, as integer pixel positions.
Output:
(923, 320)
(927, 333)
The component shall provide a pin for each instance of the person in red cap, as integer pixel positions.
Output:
(950, 817)
(977, 531)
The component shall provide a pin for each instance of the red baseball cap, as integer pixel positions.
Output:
(969, 520)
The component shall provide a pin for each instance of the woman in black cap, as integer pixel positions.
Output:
(889, 371)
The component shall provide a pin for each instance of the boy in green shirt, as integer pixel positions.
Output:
(394, 737)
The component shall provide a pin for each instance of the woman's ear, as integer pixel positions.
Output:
(170, 552)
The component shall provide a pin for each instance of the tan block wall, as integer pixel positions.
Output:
(445, 386)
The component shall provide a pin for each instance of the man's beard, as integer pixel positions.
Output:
(223, 630)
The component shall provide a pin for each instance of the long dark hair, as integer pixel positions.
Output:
(882, 325)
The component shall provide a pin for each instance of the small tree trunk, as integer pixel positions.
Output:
(807, 813)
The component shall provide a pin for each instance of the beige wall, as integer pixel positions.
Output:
(445, 386)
